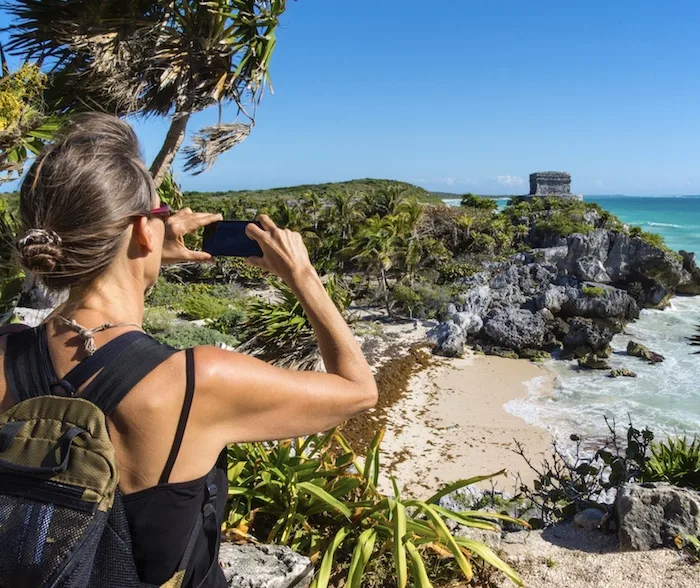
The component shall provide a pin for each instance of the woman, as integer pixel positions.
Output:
(92, 223)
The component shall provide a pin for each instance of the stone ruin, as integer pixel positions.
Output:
(552, 184)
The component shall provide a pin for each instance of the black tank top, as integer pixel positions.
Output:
(161, 519)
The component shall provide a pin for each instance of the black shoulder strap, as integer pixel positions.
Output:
(126, 369)
(184, 414)
(92, 364)
(24, 369)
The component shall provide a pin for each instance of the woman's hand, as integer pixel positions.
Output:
(284, 252)
(177, 226)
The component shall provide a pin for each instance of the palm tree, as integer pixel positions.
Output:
(313, 205)
(375, 246)
(163, 58)
(384, 201)
(409, 215)
(342, 216)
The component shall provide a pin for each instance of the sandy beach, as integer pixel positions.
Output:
(451, 424)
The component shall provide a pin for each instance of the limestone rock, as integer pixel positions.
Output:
(622, 373)
(691, 288)
(516, 329)
(264, 566)
(552, 299)
(449, 339)
(584, 332)
(652, 515)
(590, 269)
(632, 255)
(589, 519)
(593, 362)
(612, 303)
(639, 350)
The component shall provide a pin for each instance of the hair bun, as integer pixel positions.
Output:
(40, 250)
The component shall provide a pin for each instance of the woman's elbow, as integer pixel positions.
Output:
(368, 396)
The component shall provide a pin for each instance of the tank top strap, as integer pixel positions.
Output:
(184, 415)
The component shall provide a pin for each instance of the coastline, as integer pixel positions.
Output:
(452, 424)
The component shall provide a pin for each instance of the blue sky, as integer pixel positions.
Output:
(473, 95)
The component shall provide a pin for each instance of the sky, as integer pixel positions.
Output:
(473, 96)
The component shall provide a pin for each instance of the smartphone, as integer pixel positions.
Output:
(228, 239)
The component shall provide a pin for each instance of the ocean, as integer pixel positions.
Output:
(665, 397)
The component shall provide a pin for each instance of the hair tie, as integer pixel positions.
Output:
(39, 237)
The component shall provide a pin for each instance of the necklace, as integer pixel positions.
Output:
(88, 335)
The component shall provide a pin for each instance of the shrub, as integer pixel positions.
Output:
(455, 270)
(473, 201)
(482, 243)
(230, 321)
(158, 318)
(422, 300)
(201, 305)
(653, 239)
(236, 269)
(183, 335)
(167, 294)
(676, 461)
(317, 497)
(593, 291)
(567, 483)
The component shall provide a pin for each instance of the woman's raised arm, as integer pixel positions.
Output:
(250, 400)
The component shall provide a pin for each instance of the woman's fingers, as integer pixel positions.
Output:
(267, 223)
(254, 232)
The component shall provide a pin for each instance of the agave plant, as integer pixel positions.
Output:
(316, 496)
(676, 461)
(279, 331)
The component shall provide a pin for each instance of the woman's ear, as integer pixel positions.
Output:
(143, 233)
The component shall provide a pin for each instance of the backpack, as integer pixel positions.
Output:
(62, 520)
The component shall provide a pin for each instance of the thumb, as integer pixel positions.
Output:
(256, 262)
(199, 256)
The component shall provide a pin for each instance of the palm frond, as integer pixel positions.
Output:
(211, 142)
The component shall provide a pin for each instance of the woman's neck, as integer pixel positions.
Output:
(113, 301)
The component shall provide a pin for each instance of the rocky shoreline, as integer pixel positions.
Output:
(566, 296)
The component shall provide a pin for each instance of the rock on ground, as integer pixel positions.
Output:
(651, 515)
(264, 566)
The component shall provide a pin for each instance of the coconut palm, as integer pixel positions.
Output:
(375, 247)
(343, 215)
(164, 58)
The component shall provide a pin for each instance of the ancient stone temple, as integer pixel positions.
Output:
(552, 184)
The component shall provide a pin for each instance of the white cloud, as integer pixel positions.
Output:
(448, 181)
(510, 181)
(598, 183)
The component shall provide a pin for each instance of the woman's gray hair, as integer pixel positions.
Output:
(79, 197)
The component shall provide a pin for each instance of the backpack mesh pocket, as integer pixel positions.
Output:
(37, 539)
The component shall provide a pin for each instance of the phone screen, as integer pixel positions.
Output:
(228, 239)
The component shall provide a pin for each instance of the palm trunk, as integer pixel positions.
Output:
(386, 292)
(171, 145)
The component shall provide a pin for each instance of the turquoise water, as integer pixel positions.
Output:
(677, 219)
(666, 396)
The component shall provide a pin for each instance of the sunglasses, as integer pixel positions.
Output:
(162, 212)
